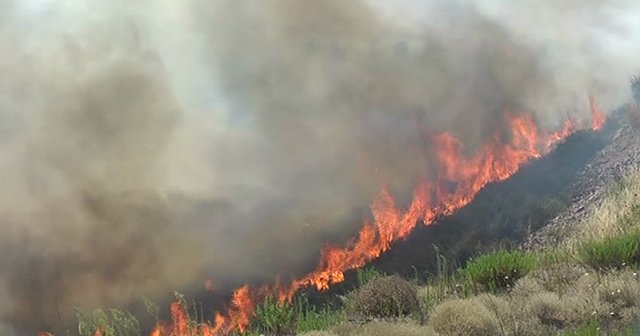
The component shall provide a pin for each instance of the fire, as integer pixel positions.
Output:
(597, 117)
(458, 181)
(460, 178)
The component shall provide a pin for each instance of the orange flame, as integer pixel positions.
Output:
(459, 179)
(597, 117)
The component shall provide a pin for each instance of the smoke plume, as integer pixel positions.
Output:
(149, 147)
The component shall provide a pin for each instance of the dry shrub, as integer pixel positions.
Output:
(620, 293)
(497, 305)
(558, 277)
(613, 300)
(526, 287)
(384, 297)
(319, 333)
(464, 317)
(534, 310)
(378, 328)
(611, 216)
(548, 309)
(582, 303)
(434, 294)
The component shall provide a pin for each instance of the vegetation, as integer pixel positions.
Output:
(113, 323)
(384, 297)
(588, 285)
(366, 274)
(462, 317)
(499, 270)
(310, 318)
(593, 329)
(276, 318)
(617, 252)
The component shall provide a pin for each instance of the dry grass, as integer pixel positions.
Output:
(379, 328)
(548, 308)
(384, 297)
(462, 317)
(558, 278)
(319, 333)
(433, 294)
(611, 217)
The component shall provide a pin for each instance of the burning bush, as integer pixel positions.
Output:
(500, 269)
(389, 296)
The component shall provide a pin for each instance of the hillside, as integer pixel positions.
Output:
(578, 275)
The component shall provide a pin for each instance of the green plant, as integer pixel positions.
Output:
(614, 253)
(593, 329)
(152, 308)
(310, 317)
(366, 274)
(499, 269)
(113, 323)
(276, 318)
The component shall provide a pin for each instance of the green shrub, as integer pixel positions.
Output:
(614, 253)
(593, 329)
(500, 269)
(276, 318)
(310, 318)
(389, 296)
(366, 274)
(589, 329)
(113, 323)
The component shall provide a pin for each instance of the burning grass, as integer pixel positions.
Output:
(555, 293)
(516, 311)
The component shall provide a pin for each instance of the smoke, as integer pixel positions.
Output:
(148, 147)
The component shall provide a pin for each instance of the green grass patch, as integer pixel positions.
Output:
(311, 318)
(499, 270)
(613, 253)
(593, 329)
(366, 274)
(273, 317)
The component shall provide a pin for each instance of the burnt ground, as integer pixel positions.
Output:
(507, 213)
(503, 214)
(617, 160)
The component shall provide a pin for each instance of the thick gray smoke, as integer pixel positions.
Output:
(146, 147)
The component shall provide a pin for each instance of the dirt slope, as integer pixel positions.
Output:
(613, 163)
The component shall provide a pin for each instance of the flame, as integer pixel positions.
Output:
(597, 117)
(458, 181)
